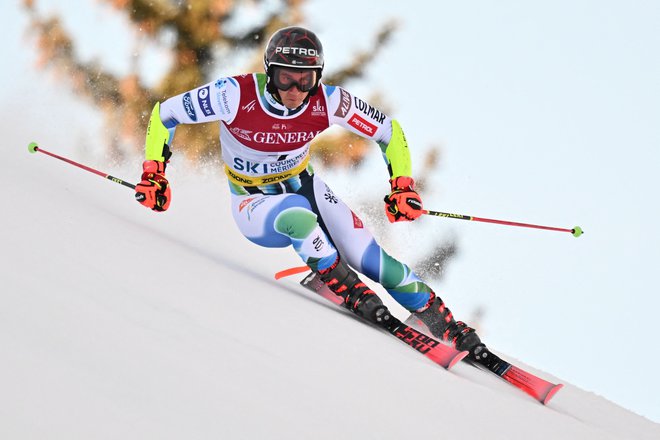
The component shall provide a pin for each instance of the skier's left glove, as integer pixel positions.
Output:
(154, 189)
(403, 203)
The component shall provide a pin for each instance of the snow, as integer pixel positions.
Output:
(117, 322)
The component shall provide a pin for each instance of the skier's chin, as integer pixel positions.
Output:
(292, 102)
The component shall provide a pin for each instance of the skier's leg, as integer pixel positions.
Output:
(411, 292)
(440, 322)
(358, 297)
(356, 243)
(287, 219)
(282, 220)
(357, 246)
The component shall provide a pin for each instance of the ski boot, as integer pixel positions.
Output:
(440, 322)
(358, 298)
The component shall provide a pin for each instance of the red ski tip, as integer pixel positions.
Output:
(552, 393)
(540, 389)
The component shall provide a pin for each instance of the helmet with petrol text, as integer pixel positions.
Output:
(294, 48)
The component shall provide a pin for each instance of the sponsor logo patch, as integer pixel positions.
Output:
(249, 106)
(344, 104)
(292, 137)
(242, 134)
(362, 125)
(330, 196)
(302, 51)
(357, 223)
(267, 180)
(244, 203)
(204, 101)
(189, 107)
(223, 101)
(284, 164)
(318, 110)
(372, 112)
(254, 206)
(318, 243)
(238, 178)
(416, 340)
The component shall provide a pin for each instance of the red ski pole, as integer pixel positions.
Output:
(33, 148)
(576, 231)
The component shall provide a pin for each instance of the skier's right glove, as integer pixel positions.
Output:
(154, 189)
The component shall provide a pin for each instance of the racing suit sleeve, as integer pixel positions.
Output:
(215, 101)
(363, 119)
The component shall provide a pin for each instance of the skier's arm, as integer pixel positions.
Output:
(214, 101)
(365, 120)
(156, 145)
(403, 203)
(154, 191)
(396, 152)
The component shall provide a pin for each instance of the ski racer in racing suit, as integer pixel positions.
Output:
(267, 122)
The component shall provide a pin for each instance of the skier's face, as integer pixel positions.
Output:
(292, 98)
(293, 85)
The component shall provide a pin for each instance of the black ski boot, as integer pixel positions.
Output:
(358, 298)
(440, 322)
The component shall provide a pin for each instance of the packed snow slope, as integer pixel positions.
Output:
(120, 323)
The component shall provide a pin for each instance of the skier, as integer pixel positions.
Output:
(267, 122)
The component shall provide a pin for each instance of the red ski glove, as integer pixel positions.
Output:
(154, 189)
(403, 203)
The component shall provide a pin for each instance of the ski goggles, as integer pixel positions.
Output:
(285, 78)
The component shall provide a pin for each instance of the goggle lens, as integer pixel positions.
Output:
(284, 79)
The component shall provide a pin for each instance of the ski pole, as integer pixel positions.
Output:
(33, 148)
(576, 231)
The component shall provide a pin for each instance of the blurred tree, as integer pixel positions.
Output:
(202, 39)
(199, 36)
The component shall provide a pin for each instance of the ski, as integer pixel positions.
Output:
(414, 333)
(540, 389)
(443, 355)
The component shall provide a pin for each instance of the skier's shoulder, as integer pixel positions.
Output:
(227, 96)
(228, 82)
(356, 114)
(338, 99)
(330, 91)
(246, 79)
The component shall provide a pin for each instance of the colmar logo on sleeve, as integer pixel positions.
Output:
(370, 111)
